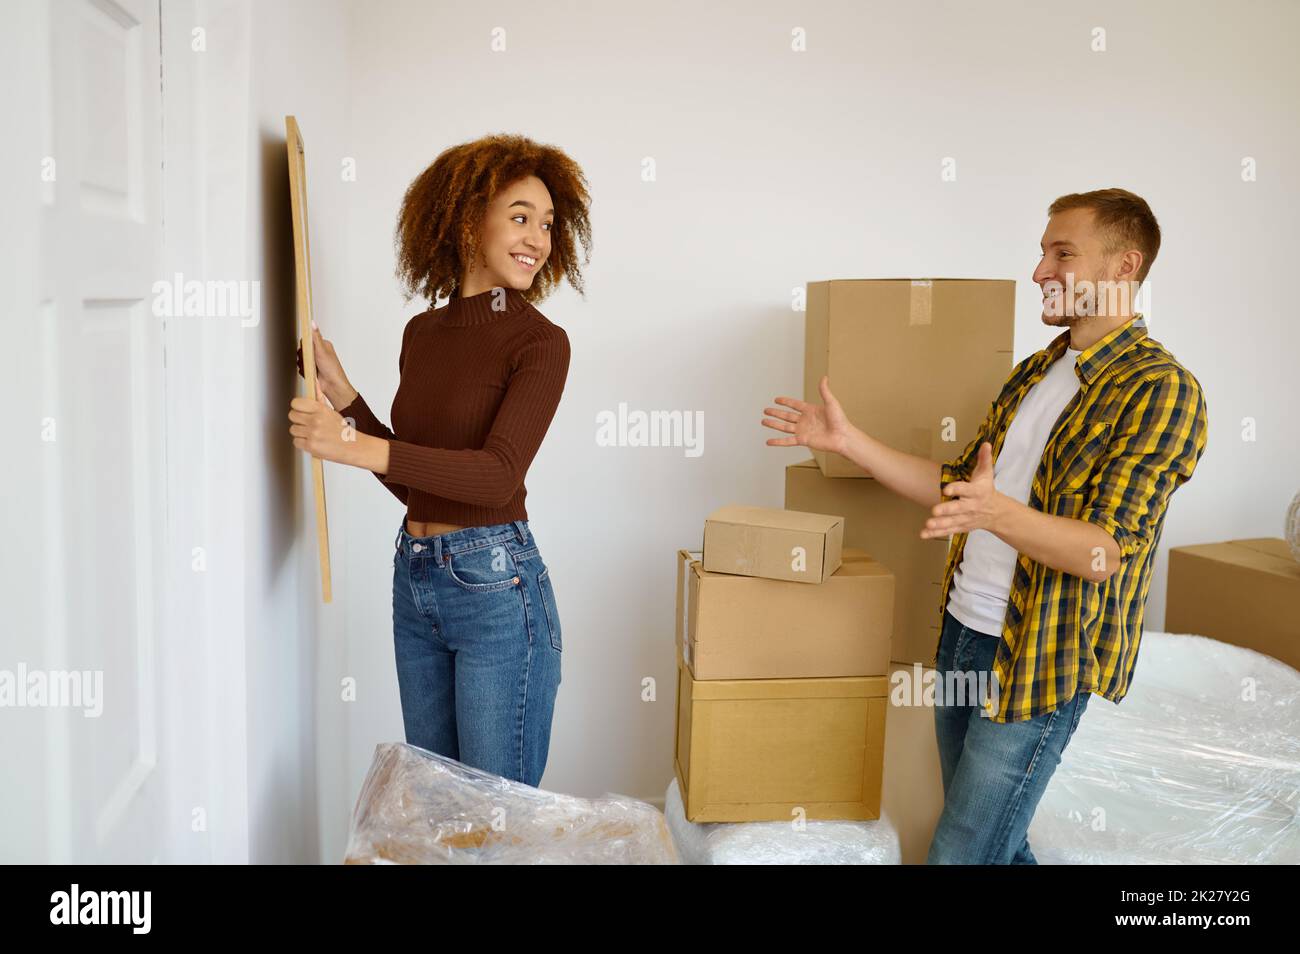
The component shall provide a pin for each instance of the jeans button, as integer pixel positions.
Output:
(417, 547)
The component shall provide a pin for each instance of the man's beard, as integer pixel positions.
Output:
(1082, 307)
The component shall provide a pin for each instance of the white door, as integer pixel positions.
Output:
(102, 493)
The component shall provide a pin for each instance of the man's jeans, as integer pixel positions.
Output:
(994, 774)
(477, 638)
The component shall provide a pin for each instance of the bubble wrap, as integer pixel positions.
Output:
(1187, 769)
(779, 842)
(416, 807)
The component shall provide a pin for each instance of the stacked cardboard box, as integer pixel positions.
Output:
(888, 526)
(782, 697)
(783, 656)
(915, 363)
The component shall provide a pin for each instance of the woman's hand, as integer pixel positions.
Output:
(329, 370)
(821, 427)
(320, 430)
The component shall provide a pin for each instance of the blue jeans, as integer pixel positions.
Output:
(994, 773)
(477, 638)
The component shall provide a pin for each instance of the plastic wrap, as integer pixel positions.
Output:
(416, 807)
(779, 842)
(1199, 764)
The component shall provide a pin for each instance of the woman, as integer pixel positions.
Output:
(491, 224)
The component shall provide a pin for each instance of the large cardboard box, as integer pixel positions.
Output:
(916, 363)
(768, 749)
(744, 627)
(888, 528)
(1245, 592)
(772, 543)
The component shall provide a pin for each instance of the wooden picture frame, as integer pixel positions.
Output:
(302, 268)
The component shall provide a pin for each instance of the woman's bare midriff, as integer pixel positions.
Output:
(418, 529)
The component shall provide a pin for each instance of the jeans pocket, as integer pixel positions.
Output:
(483, 569)
(947, 637)
(548, 603)
(1080, 705)
(966, 652)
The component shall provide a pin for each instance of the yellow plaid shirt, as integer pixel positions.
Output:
(1123, 444)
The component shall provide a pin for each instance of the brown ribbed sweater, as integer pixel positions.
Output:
(477, 391)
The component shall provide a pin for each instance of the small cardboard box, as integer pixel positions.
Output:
(766, 749)
(774, 544)
(1244, 592)
(916, 363)
(888, 527)
(744, 627)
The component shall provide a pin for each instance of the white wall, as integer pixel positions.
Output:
(298, 792)
(774, 169)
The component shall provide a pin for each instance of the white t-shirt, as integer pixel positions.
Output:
(982, 583)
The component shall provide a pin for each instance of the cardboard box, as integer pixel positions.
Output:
(887, 527)
(744, 627)
(1244, 592)
(916, 363)
(763, 749)
(912, 793)
(774, 544)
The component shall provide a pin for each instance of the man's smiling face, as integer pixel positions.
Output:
(1072, 255)
(1082, 272)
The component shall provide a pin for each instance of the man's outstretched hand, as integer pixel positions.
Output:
(816, 426)
(977, 506)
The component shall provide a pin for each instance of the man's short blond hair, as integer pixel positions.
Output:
(1124, 219)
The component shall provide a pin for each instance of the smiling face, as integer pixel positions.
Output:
(516, 238)
(1076, 263)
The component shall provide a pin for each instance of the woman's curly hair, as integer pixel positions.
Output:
(440, 221)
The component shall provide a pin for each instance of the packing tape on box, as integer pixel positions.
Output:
(920, 306)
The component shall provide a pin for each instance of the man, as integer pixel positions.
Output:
(1055, 511)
